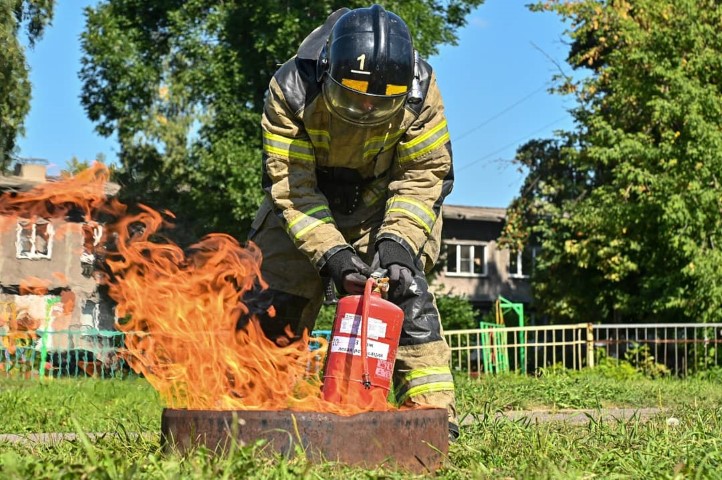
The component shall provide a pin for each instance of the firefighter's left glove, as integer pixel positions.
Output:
(348, 271)
(400, 265)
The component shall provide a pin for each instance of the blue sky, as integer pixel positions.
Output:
(494, 84)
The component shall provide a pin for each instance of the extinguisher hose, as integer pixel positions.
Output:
(365, 377)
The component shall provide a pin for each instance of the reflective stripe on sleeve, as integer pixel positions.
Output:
(419, 212)
(424, 143)
(291, 148)
(308, 220)
(425, 380)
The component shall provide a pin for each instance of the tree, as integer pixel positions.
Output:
(627, 207)
(75, 165)
(182, 83)
(34, 15)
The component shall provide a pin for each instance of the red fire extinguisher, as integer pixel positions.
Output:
(362, 349)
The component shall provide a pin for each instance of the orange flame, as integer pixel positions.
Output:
(179, 309)
(34, 286)
(85, 191)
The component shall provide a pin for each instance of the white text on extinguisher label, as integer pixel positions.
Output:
(352, 345)
(351, 324)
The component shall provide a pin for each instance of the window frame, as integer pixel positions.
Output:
(460, 243)
(21, 225)
(520, 270)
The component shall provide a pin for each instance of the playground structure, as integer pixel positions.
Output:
(495, 338)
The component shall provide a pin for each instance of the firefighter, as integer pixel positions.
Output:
(356, 164)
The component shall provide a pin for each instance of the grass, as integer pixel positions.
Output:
(588, 390)
(28, 406)
(490, 446)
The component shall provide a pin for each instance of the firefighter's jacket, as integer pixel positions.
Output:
(323, 175)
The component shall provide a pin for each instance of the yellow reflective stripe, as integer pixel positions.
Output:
(306, 214)
(424, 143)
(414, 209)
(424, 380)
(409, 214)
(422, 372)
(315, 224)
(423, 137)
(322, 139)
(427, 149)
(392, 89)
(291, 148)
(319, 138)
(308, 220)
(374, 193)
(379, 142)
(430, 388)
(358, 85)
(287, 154)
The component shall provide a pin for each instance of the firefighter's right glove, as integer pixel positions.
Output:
(348, 271)
(400, 265)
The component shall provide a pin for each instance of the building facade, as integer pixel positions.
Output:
(474, 266)
(50, 295)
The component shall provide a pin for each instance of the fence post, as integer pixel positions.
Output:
(590, 345)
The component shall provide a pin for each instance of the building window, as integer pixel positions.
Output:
(521, 264)
(92, 234)
(466, 260)
(34, 239)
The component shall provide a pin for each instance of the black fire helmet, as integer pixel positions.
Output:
(367, 66)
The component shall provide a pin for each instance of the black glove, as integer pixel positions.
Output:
(398, 261)
(348, 271)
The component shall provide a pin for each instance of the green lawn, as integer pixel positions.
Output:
(490, 447)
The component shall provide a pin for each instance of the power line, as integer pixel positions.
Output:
(501, 112)
(511, 144)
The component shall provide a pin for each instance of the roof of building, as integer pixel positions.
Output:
(463, 212)
(22, 184)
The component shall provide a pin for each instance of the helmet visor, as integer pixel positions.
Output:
(357, 107)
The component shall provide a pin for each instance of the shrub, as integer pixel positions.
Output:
(457, 313)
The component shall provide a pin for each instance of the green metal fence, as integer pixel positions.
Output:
(63, 353)
(683, 348)
(496, 348)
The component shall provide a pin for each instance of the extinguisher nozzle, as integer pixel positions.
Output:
(366, 381)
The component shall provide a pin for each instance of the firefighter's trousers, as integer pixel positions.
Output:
(421, 374)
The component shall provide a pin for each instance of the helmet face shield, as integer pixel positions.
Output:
(357, 107)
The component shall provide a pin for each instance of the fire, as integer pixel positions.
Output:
(179, 309)
(84, 192)
(34, 286)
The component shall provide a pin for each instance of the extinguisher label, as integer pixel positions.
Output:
(352, 345)
(384, 368)
(351, 324)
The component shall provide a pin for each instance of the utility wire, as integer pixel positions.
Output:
(511, 144)
(500, 113)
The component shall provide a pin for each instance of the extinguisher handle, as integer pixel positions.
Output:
(380, 277)
(379, 273)
(329, 293)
